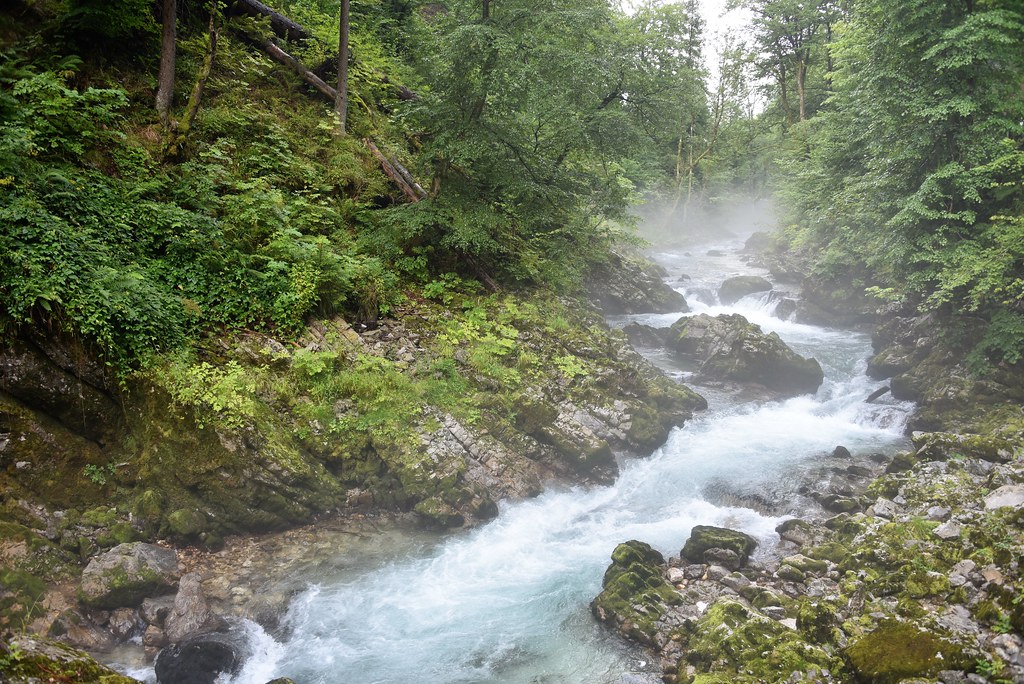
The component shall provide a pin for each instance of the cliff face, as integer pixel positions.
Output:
(437, 410)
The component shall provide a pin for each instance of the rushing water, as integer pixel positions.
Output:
(508, 601)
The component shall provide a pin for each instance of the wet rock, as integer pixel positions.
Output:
(201, 659)
(191, 613)
(124, 623)
(128, 573)
(730, 347)
(29, 660)
(726, 558)
(799, 532)
(641, 335)
(941, 446)
(736, 288)
(154, 611)
(841, 452)
(838, 503)
(635, 593)
(630, 285)
(705, 537)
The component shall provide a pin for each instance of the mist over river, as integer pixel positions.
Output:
(509, 601)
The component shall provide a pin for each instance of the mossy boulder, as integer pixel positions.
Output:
(25, 660)
(942, 446)
(733, 638)
(736, 288)
(729, 347)
(128, 573)
(706, 537)
(635, 594)
(895, 651)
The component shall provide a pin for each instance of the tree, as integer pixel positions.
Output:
(168, 52)
(341, 100)
(791, 36)
(913, 170)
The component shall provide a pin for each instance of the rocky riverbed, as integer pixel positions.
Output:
(908, 575)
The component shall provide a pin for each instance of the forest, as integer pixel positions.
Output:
(264, 265)
(893, 138)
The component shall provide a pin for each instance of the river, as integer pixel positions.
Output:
(508, 601)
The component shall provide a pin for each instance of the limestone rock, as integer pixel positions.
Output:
(897, 651)
(628, 284)
(731, 348)
(37, 660)
(736, 288)
(705, 537)
(191, 613)
(1005, 496)
(128, 573)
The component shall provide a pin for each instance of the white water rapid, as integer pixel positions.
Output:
(508, 602)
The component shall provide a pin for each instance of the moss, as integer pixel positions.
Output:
(186, 523)
(634, 591)
(897, 650)
(704, 537)
(101, 516)
(732, 638)
(27, 659)
(119, 533)
(21, 595)
(923, 583)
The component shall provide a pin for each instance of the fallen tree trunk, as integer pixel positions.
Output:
(407, 177)
(295, 65)
(393, 173)
(282, 25)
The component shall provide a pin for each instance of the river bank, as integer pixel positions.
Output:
(914, 577)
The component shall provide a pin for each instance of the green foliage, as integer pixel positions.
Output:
(912, 172)
(99, 474)
(222, 395)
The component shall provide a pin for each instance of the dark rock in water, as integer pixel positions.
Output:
(715, 253)
(785, 308)
(635, 593)
(877, 393)
(629, 285)
(758, 242)
(641, 335)
(841, 452)
(201, 659)
(703, 295)
(738, 287)
(128, 573)
(731, 348)
(704, 537)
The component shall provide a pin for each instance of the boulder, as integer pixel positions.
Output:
(706, 537)
(201, 658)
(635, 592)
(25, 659)
(127, 574)
(896, 651)
(630, 284)
(730, 347)
(736, 288)
(191, 613)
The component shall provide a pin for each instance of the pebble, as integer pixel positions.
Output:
(947, 530)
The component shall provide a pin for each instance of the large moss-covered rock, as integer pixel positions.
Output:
(127, 574)
(730, 347)
(706, 537)
(631, 284)
(897, 650)
(635, 593)
(736, 288)
(734, 638)
(27, 660)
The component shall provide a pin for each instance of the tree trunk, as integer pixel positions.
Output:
(486, 14)
(294, 64)
(282, 25)
(168, 53)
(393, 173)
(784, 94)
(801, 77)
(178, 135)
(341, 97)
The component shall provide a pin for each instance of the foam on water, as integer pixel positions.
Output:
(508, 601)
